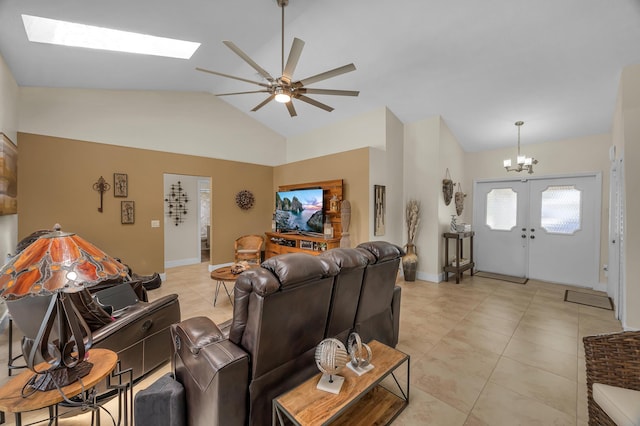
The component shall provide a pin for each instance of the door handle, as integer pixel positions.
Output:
(533, 237)
(524, 236)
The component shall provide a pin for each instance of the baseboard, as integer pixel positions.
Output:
(181, 262)
(423, 276)
(163, 276)
(221, 265)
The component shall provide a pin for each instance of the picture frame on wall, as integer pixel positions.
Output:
(120, 185)
(8, 176)
(379, 208)
(127, 212)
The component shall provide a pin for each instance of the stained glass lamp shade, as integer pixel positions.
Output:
(52, 266)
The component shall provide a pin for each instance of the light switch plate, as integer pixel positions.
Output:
(155, 224)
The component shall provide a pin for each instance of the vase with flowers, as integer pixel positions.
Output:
(410, 259)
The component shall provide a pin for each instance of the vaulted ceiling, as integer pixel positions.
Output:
(481, 65)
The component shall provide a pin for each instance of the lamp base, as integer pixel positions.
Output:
(60, 377)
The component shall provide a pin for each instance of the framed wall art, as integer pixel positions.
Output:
(379, 206)
(8, 176)
(120, 185)
(127, 212)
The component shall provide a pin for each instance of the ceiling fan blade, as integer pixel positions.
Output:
(263, 103)
(248, 60)
(233, 77)
(292, 60)
(314, 103)
(242, 93)
(325, 75)
(292, 110)
(329, 92)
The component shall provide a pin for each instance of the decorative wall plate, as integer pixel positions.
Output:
(245, 199)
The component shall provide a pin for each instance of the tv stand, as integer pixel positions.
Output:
(297, 242)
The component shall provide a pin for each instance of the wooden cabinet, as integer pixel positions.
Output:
(281, 243)
(459, 265)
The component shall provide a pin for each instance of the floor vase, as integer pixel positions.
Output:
(410, 262)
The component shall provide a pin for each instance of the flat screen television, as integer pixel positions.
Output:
(299, 210)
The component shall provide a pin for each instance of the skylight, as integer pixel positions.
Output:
(52, 31)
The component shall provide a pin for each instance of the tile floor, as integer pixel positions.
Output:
(483, 352)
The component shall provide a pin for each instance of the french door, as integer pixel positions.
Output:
(541, 228)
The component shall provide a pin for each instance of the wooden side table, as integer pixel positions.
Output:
(11, 400)
(363, 400)
(457, 268)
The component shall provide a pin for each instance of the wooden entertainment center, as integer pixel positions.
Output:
(297, 242)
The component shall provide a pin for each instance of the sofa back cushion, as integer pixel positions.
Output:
(374, 319)
(346, 289)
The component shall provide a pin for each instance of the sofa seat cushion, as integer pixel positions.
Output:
(621, 405)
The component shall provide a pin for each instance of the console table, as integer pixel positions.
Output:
(104, 362)
(282, 242)
(363, 400)
(457, 268)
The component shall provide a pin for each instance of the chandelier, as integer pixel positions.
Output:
(522, 161)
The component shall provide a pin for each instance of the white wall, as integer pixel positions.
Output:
(8, 126)
(627, 130)
(358, 132)
(179, 122)
(182, 242)
(385, 168)
(580, 155)
(421, 176)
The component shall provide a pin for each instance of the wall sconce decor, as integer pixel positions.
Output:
(177, 203)
(101, 186)
(245, 199)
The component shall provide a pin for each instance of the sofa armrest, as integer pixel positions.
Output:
(214, 372)
(133, 314)
(395, 311)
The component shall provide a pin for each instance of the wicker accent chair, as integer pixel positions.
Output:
(614, 360)
(248, 248)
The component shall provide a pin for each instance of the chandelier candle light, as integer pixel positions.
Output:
(522, 161)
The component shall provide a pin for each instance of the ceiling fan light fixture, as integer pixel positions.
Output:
(282, 96)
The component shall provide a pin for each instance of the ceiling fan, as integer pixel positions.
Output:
(283, 89)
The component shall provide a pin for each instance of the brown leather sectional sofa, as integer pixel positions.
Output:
(281, 312)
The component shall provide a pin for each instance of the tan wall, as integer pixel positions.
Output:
(352, 167)
(56, 175)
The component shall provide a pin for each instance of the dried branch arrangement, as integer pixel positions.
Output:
(413, 220)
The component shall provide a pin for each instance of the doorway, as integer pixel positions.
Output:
(204, 197)
(541, 228)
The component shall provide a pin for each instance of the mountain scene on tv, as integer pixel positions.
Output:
(299, 211)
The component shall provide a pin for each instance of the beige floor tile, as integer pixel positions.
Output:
(447, 382)
(547, 338)
(550, 389)
(498, 406)
(427, 410)
(474, 347)
(543, 357)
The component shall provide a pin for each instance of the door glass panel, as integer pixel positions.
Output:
(560, 209)
(502, 209)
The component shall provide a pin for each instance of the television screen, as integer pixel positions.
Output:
(299, 210)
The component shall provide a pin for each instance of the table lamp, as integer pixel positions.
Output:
(52, 266)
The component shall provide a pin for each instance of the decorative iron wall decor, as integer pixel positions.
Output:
(120, 185)
(379, 207)
(245, 199)
(177, 203)
(127, 212)
(101, 186)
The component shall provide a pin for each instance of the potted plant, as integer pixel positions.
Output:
(410, 260)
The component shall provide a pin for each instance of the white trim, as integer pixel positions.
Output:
(181, 262)
(163, 276)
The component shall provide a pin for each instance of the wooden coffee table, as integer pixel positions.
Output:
(223, 276)
(11, 400)
(363, 400)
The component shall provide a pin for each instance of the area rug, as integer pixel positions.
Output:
(588, 299)
(511, 279)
